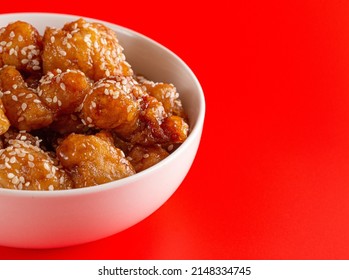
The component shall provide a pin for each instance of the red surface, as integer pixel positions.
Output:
(271, 178)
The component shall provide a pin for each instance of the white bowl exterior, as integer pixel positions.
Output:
(32, 219)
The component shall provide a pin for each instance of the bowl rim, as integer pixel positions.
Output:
(195, 131)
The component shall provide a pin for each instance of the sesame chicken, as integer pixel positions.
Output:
(92, 160)
(27, 167)
(72, 112)
(23, 107)
(90, 47)
(20, 46)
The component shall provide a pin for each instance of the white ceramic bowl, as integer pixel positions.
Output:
(43, 219)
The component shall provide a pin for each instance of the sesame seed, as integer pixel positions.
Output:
(21, 94)
(129, 158)
(55, 99)
(31, 157)
(29, 96)
(49, 100)
(89, 119)
(49, 176)
(14, 86)
(93, 104)
(36, 67)
(52, 39)
(62, 53)
(9, 44)
(50, 188)
(24, 61)
(10, 175)
(23, 52)
(47, 166)
(62, 86)
(170, 148)
(15, 180)
(13, 159)
(145, 155)
(24, 106)
(20, 38)
(31, 164)
(107, 72)
(12, 51)
(36, 101)
(129, 108)
(14, 98)
(20, 119)
(59, 102)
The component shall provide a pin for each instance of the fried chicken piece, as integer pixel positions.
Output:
(27, 167)
(165, 93)
(4, 122)
(24, 109)
(20, 46)
(112, 105)
(90, 47)
(63, 92)
(142, 158)
(21, 135)
(176, 129)
(156, 127)
(92, 160)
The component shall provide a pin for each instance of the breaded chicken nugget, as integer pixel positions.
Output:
(90, 47)
(23, 107)
(27, 167)
(92, 160)
(20, 46)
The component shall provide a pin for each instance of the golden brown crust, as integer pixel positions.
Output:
(63, 92)
(4, 122)
(142, 158)
(20, 46)
(23, 107)
(26, 167)
(92, 160)
(89, 47)
(166, 94)
(111, 105)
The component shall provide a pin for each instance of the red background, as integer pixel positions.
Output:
(271, 178)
